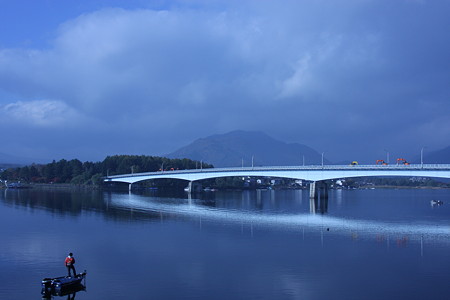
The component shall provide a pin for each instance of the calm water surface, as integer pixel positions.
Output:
(360, 244)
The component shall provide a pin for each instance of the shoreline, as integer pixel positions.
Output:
(68, 186)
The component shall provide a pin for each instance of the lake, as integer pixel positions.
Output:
(263, 244)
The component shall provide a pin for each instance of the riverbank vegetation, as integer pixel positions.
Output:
(91, 173)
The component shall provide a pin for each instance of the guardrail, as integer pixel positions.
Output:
(430, 167)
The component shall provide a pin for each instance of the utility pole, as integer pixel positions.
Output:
(421, 156)
(322, 158)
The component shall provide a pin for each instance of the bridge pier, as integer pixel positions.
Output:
(193, 187)
(312, 190)
(318, 189)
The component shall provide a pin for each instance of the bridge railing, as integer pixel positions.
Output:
(295, 168)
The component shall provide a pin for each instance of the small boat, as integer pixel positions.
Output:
(436, 202)
(62, 285)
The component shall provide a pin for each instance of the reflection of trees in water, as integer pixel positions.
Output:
(74, 202)
(71, 203)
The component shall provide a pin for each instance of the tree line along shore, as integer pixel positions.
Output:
(75, 172)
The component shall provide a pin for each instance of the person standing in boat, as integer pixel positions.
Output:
(69, 262)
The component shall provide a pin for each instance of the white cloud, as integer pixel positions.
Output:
(40, 113)
(295, 84)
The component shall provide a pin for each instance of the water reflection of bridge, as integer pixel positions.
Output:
(318, 205)
(295, 221)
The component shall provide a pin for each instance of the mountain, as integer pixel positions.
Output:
(228, 150)
(437, 157)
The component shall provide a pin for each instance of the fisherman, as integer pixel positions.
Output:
(70, 261)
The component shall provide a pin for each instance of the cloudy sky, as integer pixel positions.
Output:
(352, 78)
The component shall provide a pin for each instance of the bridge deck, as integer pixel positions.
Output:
(314, 173)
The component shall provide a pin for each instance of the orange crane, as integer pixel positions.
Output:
(402, 161)
(380, 161)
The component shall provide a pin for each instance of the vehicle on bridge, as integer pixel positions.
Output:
(382, 162)
(402, 161)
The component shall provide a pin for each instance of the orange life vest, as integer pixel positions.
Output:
(69, 260)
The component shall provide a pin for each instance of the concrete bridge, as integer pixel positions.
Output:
(316, 174)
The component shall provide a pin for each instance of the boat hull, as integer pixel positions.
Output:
(62, 285)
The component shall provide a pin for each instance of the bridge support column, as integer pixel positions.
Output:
(129, 187)
(318, 188)
(193, 187)
(318, 197)
(312, 190)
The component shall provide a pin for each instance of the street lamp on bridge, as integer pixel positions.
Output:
(421, 156)
(387, 156)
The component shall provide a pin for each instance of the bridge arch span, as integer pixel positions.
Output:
(310, 173)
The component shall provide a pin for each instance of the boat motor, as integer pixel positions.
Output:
(46, 286)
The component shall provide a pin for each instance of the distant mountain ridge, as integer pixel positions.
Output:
(228, 150)
(436, 157)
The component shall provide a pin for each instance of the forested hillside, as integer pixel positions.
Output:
(77, 172)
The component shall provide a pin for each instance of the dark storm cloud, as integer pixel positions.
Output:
(351, 78)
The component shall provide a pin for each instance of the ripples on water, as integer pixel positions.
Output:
(284, 221)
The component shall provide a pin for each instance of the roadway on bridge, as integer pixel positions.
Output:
(310, 173)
